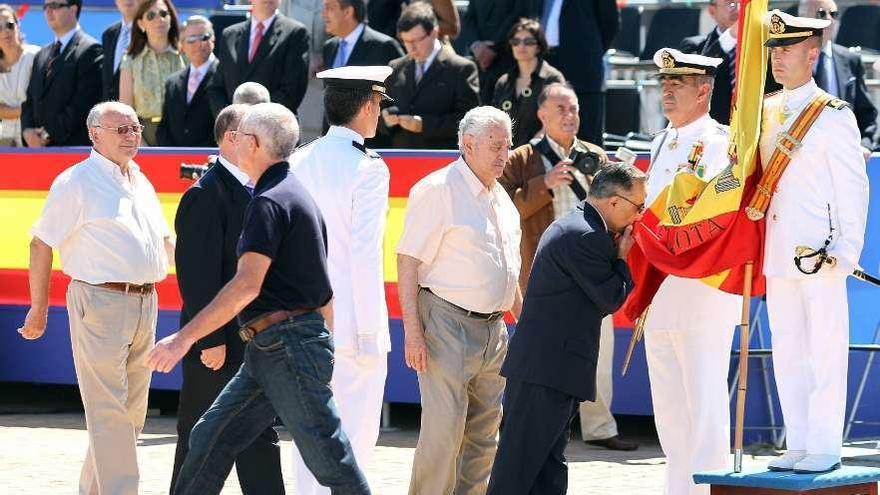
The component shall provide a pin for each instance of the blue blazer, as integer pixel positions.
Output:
(577, 279)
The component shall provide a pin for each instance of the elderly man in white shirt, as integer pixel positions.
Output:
(105, 220)
(458, 265)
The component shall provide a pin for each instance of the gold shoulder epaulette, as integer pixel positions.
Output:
(837, 104)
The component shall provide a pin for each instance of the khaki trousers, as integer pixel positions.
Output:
(111, 333)
(597, 423)
(461, 400)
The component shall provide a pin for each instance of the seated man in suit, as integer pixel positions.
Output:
(65, 82)
(186, 115)
(432, 88)
(115, 40)
(268, 48)
(840, 73)
(579, 276)
(719, 43)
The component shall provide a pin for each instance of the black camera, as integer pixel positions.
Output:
(587, 163)
(191, 171)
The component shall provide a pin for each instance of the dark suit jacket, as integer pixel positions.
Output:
(186, 124)
(851, 82)
(586, 30)
(281, 63)
(109, 77)
(445, 93)
(708, 45)
(577, 279)
(372, 48)
(62, 103)
(208, 225)
(491, 20)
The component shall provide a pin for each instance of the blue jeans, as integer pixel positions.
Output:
(286, 372)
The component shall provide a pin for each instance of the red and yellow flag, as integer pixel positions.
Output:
(699, 229)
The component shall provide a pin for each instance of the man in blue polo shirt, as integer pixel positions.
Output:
(282, 290)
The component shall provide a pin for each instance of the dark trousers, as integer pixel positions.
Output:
(592, 114)
(531, 451)
(259, 465)
(286, 373)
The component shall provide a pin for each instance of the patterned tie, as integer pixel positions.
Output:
(121, 46)
(193, 84)
(53, 56)
(339, 60)
(733, 71)
(256, 44)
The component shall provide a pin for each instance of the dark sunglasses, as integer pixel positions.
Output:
(7, 26)
(826, 14)
(153, 13)
(196, 38)
(125, 129)
(639, 207)
(55, 5)
(523, 41)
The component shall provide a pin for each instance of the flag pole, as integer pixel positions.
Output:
(742, 384)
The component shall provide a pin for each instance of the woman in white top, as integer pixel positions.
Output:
(16, 61)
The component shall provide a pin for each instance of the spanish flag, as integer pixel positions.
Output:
(699, 229)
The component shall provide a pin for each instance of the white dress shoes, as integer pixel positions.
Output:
(817, 463)
(787, 461)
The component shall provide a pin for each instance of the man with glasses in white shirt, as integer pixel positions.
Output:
(105, 220)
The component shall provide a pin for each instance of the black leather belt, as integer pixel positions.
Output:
(470, 314)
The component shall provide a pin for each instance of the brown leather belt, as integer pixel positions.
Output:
(126, 287)
(264, 321)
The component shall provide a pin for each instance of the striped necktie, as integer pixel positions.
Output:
(53, 57)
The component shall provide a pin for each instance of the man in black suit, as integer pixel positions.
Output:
(579, 276)
(115, 40)
(484, 31)
(842, 74)
(432, 87)
(719, 43)
(208, 224)
(65, 82)
(578, 33)
(186, 114)
(268, 48)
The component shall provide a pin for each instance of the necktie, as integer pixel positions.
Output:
(53, 57)
(121, 46)
(250, 189)
(733, 71)
(256, 44)
(420, 71)
(193, 84)
(339, 61)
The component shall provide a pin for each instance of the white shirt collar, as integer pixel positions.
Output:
(266, 23)
(66, 37)
(694, 128)
(794, 98)
(126, 24)
(430, 60)
(236, 172)
(105, 165)
(344, 133)
(353, 36)
(559, 149)
(204, 67)
(475, 185)
(827, 48)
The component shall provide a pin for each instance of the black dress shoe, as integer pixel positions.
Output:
(613, 443)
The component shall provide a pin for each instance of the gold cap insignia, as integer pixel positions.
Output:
(668, 60)
(776, 25)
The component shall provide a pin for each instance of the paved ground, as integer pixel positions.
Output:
(42, 454)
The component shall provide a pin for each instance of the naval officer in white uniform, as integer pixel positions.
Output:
(350, 184)
(689, 328)
(822, 195)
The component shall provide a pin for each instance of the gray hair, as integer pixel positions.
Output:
(251, 93)
(480, 119)
(275, 126)
(98, 111)
(199, 19)
(615, 178)
(228, 120)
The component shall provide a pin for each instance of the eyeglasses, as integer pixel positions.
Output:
(55, 5)
(7, 26)
(523, 41)
(125, 130)
(235, 135)
(826, 14)
(153, 13)
(196, 38)
(639, 207)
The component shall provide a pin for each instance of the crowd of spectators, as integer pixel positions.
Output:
(178, 76)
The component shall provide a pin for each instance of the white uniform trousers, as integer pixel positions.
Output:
(597, 423)
(688, 372)
(358, 389)
(809, 324)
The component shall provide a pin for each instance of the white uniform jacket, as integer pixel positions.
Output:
(350, 184)
(828, 170)
(684, 303)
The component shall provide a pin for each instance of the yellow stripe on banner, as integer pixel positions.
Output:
(20, 209)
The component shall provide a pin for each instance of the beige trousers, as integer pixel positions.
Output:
(111, 333)
(597, 423)
(461, 400)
